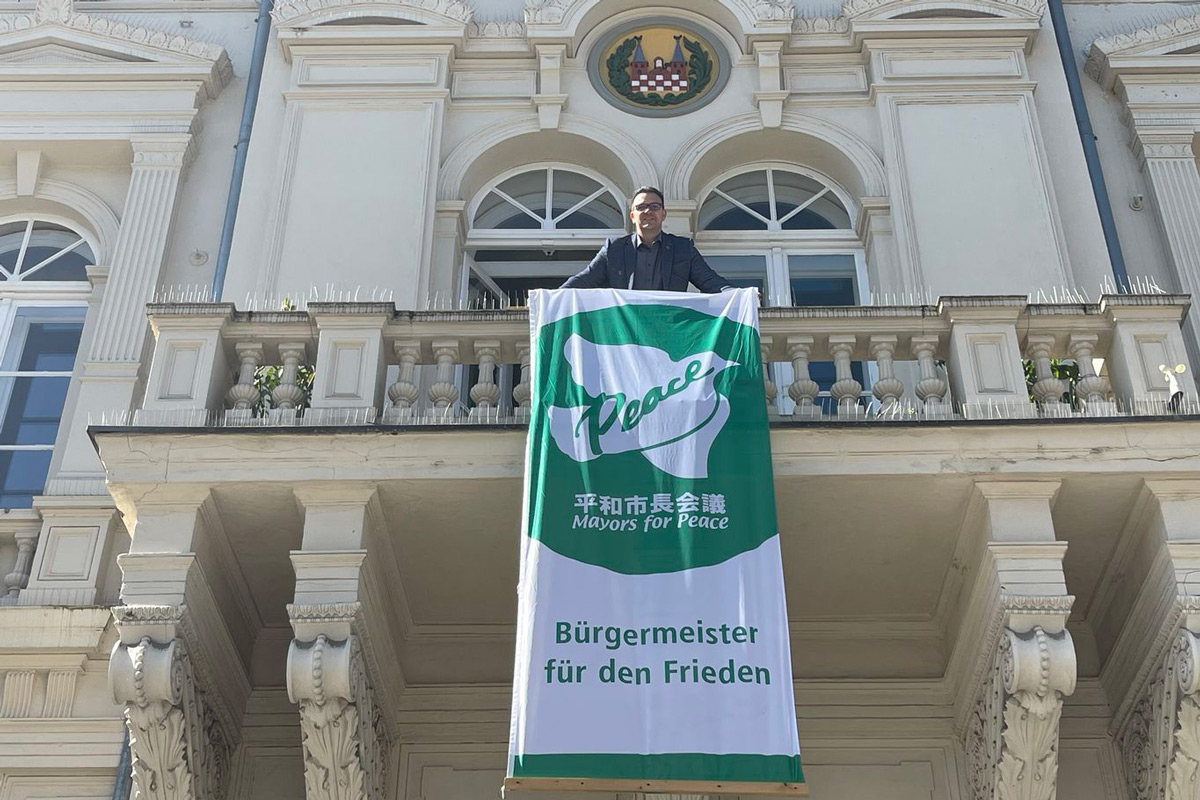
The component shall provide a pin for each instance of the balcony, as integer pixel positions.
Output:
(966, 358)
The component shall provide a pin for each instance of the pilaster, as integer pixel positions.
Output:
(1153, 672)
(1170, 165)
(176, 667)
(112, 364)
(158, 163)
(333, 673)
(1013, 660)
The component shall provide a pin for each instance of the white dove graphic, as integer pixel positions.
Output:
(667, 410)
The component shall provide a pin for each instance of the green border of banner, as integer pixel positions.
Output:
(729, 767)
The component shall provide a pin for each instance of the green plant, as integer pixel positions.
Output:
(267, 378)
(1063, 370)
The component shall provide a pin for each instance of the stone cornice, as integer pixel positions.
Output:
(295, 13)
(50, 16)
(1155, 40)
(879, 9)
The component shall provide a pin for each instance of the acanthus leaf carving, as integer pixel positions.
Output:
(1160, 739)
(286, 13)
(1012, 733)
(178, 741)
(342, 728)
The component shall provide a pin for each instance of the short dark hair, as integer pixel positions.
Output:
(649, 190)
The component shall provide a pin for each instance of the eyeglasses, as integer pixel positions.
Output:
(648, 207)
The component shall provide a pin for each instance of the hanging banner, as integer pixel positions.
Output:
(652, 638)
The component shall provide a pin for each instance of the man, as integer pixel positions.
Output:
(649, 259)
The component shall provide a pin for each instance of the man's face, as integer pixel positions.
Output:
(647, 214)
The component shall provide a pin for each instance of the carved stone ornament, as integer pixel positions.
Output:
(287, 12)
(820, 25)
(179, 748)
(343, 733)
(1160, 740)
(62, 13)
(1138, 41)
(496, 29)
(876, 8)
(1011, 737)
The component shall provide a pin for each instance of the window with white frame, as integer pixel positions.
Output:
(532, 228)
(40, 250)
(788, 231)
(43, 301)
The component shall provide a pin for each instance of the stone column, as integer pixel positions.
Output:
(332, 671)
(175, 667)
(112, 360)
(1153, 673)
(1170, 166)
(1014, 660)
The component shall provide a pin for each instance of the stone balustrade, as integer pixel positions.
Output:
(966, 357)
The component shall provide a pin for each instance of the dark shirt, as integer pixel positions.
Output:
(646, 270)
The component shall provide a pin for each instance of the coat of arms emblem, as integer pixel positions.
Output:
(659, 69)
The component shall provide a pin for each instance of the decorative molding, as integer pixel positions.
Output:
(179, 748)
(1011, 739)
(17, 699)
(343, 734)
(882, 9)
(752, 12)
(803, 25)
(1160, 740)
(506, 29)
(174, 623)
(61, 14)
(1156, 37)
(290, 12)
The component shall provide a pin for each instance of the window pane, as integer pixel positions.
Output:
(50, 347)
(70, 266)
(750, 189)
(497, 213)
(822, 280)
(34, 407)
(22, 475)
(571, 188)
(793, 190)
(11, 235)
(741, 271)
(528, 189)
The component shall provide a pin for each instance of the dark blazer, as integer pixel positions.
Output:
(679, 264)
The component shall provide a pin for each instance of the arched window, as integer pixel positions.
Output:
(788, 231)
(43, 300)
(39, 250)
(532, 228)
(549, 199)
(773, 199)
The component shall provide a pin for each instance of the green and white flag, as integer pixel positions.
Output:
(652, 638)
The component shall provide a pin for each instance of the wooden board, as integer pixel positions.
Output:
(655, 787)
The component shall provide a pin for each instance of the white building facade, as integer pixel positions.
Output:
(259, 525)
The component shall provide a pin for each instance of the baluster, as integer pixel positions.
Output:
(888, 389)
(804, 389)
(764, 347)
(287, 394)
(485, 393)
(403, 393)
(15, 580)
(243, 395)
(1091, 391)
(931, 389)
(523, 390)
(1047, 389)
(443, 393)
(846, 390)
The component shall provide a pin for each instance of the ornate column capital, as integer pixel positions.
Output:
(179, 742)
(1163, 143)
(1011, 737)
(343, 730)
